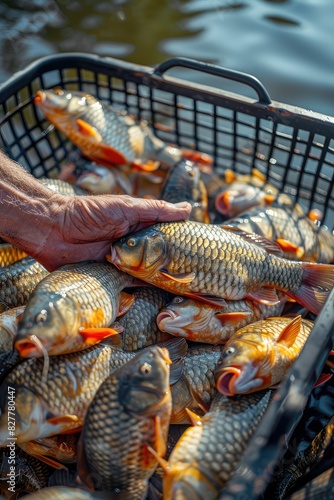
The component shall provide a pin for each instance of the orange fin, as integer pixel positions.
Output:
(230, 176)
(289, 247)
(232, 318)
(291, 332)
(148, 166)
(112, 155)
(88, 130)
(193, 418)
(315, 215)
(209, 299)
(269, 198)
(258, 174)
(260, 241)
(179, 278)
(160, 443)
(267, 296)
(197, 156)
(323, 378)
(162, 462)
(125, 303)
(73, 431)
(331, 352)
(91, 336)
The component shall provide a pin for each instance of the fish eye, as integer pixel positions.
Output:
(131, 242)
(145, 369)
(229, 351)
(41, 317)
(177, 300)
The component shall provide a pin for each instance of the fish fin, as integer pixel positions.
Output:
(209, 299)
(260, 241)
(269, 198)
(179, 278)
(73, 431)
(317, 281)
(177, 350)
(205, 407)
(258, 174)
(88, 130)
(49, 461)
(267, 296)
(291, 331)
(125, 303)
(176, 371)
(230, 176)
(148, 166)
(162, 462)
(111, 155)
(160, 443)
(193, 417)
(315, 215)
(91, 336)
(232, 318)
(117, 327)
(331, 352)
(289, 247)
(323, 378)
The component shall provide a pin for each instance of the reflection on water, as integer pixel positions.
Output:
(285, 43)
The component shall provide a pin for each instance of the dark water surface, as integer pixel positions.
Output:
(287, 44)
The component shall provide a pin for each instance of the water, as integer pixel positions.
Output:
(287, 44)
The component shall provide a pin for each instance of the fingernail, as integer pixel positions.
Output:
(182, 204)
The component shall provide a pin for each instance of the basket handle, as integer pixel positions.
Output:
(229, 74)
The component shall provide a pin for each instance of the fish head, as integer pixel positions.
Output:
(189, 483)
(97, 179)
(46, 325)
(140, 254)
(237, 198)
(144, 381)
(32, 414)
(245, 365)
(185, 317)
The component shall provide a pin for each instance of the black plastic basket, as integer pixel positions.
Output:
(293, 147)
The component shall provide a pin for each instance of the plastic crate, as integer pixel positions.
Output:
(293, 147)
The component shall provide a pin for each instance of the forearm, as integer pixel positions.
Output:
(28, 209)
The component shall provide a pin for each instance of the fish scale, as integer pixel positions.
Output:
(10, 254)
(206, 455)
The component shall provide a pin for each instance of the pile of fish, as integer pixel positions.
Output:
(146, 376)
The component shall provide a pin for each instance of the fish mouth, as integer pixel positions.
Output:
(171, 322)
(40, 97)
(28, 347)
(234, 380)
(113, 257)
(222, 203)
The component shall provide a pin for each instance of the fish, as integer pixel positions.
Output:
(17, 282)
(199, 321)
(10, 254)
(139, 322)
(57, 403)
(8, 328)
(213, 263)
(72, 308)
(244, 192)
(97, 179)
(129, 414)
(259, 355)
(184, 183)
(63, 187)
(107, 135)
(62, 448)
(195, 387)
(68, 493)
(286, 223)
(207, 454)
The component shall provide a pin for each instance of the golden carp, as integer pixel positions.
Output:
(73, 308)
(62, 447)
(184, 183)
(129, 414)
(259, 355)
(63, 187)
(105, 134)
(10, 254)
(286, 223)
(207, 453)
(199, 321)
(139, 323)
(56, 403)
(244, 192)
(18, 281)
(211, 263)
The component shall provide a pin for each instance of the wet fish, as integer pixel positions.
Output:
(259, 355)
(105, 134)
(72, 308)
(18, 281)
(244, 192)
(97, 179)
(57, 402)
(199, 321)
(209, 262)
(207, 454)
(184, 183)
(62, 447)
(10, 254)
(129, 415)
(139, 323)
(288, 225)
(63, 187)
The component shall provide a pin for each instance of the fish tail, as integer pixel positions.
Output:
(317, 281)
